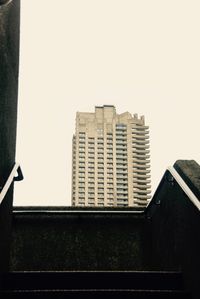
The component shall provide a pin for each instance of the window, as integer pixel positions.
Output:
(82, 134)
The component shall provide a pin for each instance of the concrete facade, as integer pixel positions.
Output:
(110, 155)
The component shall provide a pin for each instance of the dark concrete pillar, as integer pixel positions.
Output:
(9, 62)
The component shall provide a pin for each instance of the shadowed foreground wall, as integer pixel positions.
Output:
(163, 237)
(175, 225)
(77, 241)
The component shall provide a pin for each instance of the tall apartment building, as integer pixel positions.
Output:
(111, 165)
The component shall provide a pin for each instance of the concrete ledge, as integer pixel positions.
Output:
(68, 239)
(189, 170)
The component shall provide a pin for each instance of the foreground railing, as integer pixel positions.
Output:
(172, 177)
(12, 177)
(6, 202)
(191, 196)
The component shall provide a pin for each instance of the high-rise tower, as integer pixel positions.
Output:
(111, 165)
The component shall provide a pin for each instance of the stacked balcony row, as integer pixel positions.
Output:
(141, 164)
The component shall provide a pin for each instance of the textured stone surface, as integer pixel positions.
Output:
(9, 59)
(77, 241)
(190, 172)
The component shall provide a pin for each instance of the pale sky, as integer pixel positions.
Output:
(141, 56)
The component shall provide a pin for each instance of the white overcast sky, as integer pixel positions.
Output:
(141, 56)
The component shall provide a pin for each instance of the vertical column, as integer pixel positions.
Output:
(114, 165)
(105, 161)
(129, 165)
(86, 168)
(76, 167)
(73, 195)
(96, 169)
(9, 61)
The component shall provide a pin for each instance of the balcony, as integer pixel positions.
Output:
(141, 160)
(140, 132)
(139, 136)
(137, 146)
(140, 151)
(141, 180)
(121, 153)
(141, 171)
(140, 127)
(140, 142)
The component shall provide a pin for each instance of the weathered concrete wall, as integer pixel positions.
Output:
(190, 172)
(9, 59)
(77, 241)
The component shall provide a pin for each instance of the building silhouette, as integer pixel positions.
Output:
(111, 165)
